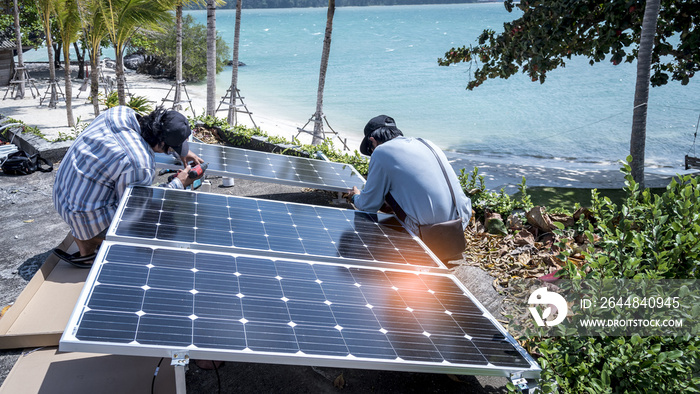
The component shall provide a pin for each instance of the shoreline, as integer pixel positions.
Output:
(498, 172)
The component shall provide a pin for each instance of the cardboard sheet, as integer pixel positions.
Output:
(49, 371)
(41, 312)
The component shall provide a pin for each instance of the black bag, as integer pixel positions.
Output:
(21, 163)
(446, 239)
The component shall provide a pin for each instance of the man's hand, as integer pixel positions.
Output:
(351, 193)
(191, 157)
(183, 176)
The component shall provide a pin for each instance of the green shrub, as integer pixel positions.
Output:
(25, 129)
(647, 236)
(634, 364)
(139, 104)
(241, 135)
(361, 163)
(486, 200)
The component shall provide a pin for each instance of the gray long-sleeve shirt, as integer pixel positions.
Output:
(407, 169)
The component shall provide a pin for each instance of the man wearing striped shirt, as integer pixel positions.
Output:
(117, 150)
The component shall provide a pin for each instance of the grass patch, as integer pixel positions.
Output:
(564, 199)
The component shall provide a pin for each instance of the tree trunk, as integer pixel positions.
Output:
(57, 51)
(69, 88)
(52, 69)
(234, 63)
(211, 57)
(95, 83)
(178, 53)
(81, 60)
(641, 92)
(318, 116)
(20, 62)
(119, 75)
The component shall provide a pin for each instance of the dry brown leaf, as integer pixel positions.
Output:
(453, 377)
(339, 382)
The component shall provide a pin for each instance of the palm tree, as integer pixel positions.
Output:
(20, 62)
(211, 57)
(45, 8)
(234, 62)
(123, 18)
(94, 31)
(178, 46)
(318, 115)
(641, 91)
(69, 24)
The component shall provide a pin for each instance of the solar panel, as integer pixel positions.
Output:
(274, 228)
(271, 167)
(154, 301)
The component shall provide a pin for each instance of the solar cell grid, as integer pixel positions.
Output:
(267, 227)
(271, 167)
(214, 302)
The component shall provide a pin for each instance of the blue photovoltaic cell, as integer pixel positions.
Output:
(265, 226)
(271, 167)
(245, 305)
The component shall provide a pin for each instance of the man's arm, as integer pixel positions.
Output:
(371, 198)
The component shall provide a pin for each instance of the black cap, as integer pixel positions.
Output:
(176, 130)
(374, 124)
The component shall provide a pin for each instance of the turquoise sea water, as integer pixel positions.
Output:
(384, 60)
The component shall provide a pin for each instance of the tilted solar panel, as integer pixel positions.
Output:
(275, 228)
(271, 167)
(153, 301)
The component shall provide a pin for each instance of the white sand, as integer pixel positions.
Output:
(54, 121)
(498, 173)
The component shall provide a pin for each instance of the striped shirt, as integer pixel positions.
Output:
(107, 156)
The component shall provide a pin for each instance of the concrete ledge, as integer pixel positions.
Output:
(54, 151)
(32, 144)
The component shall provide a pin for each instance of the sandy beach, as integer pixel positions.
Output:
(498, 172)
(155, 90)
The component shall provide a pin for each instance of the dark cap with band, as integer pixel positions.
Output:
(374, 124)
(176, 130)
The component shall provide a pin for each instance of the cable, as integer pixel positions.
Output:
(153, 382)
(590, 124)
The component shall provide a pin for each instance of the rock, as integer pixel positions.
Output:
(240, 63)
(133, 61)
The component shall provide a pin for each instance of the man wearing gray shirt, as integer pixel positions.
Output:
(405, 174)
